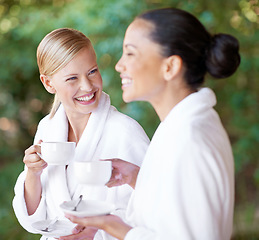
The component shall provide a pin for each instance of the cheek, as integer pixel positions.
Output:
(65, 92)
(97, 81)
(100, 83)
(142, 73)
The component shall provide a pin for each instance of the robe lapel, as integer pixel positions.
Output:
(88, 143)
(58, 184)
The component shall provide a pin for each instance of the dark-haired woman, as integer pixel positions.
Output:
(185, 187)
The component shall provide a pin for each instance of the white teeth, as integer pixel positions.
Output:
(86, 98)
(126, 81)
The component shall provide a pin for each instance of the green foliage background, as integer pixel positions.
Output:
(23, 100)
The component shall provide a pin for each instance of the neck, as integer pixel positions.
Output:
(76, 127)
(170, 98)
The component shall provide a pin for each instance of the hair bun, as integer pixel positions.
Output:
(223, 56)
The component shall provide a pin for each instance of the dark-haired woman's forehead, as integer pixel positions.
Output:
(138, 33)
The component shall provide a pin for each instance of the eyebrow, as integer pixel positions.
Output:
(129, 45)
(71, 74)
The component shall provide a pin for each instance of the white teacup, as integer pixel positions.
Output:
(57, 153)
(93, 173)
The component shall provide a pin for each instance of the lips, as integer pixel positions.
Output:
(85, 98)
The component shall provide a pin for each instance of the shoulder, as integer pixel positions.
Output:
(122, 120)
(123, 124)
(59, 116)
(44, 121)
(204, 129)
(206, 141)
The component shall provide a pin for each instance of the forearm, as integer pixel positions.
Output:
(111, 224)
(32, 192)
(117, 229)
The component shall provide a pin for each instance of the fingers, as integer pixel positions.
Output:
(115, 180)
(95, 222)
(36, 148)
(123, 173)
(81, 233)
(74, 219)
(78, 229)
(32, 160)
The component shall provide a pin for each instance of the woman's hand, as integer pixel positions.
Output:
(111, 224)
(123, 173)
(80, 232)
(33, 161)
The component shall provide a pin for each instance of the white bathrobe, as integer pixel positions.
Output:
(185, 188)
(108, 134)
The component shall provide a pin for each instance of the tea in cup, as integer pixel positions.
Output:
(57, 153)
(93, 173)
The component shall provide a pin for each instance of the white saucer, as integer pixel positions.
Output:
(60, 228)
(88, 208)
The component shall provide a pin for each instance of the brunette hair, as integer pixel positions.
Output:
(180, 33)
(56, 50)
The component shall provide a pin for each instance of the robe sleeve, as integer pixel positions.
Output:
(19, 204)
(20, 208)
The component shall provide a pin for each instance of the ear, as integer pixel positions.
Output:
(47, 84)
(173, 66)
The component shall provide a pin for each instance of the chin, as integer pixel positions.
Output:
(127, 99)
(131, 96)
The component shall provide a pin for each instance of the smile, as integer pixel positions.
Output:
(85, 98)
(126, 81)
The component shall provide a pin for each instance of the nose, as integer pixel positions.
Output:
(119, 67)
(86, 84)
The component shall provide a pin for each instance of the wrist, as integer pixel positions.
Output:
(134, 177)
(32, 174)
(118, 229)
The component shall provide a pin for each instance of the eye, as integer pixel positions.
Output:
(128, 54)
(71, 78)
(93, 71)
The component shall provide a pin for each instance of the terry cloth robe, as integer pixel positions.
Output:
(108, 134)
(185, 187)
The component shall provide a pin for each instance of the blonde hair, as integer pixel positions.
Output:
(56, 50)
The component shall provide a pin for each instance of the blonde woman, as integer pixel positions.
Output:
(81, 113)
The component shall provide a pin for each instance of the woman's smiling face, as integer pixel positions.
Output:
(141, 64)
(79, 84)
